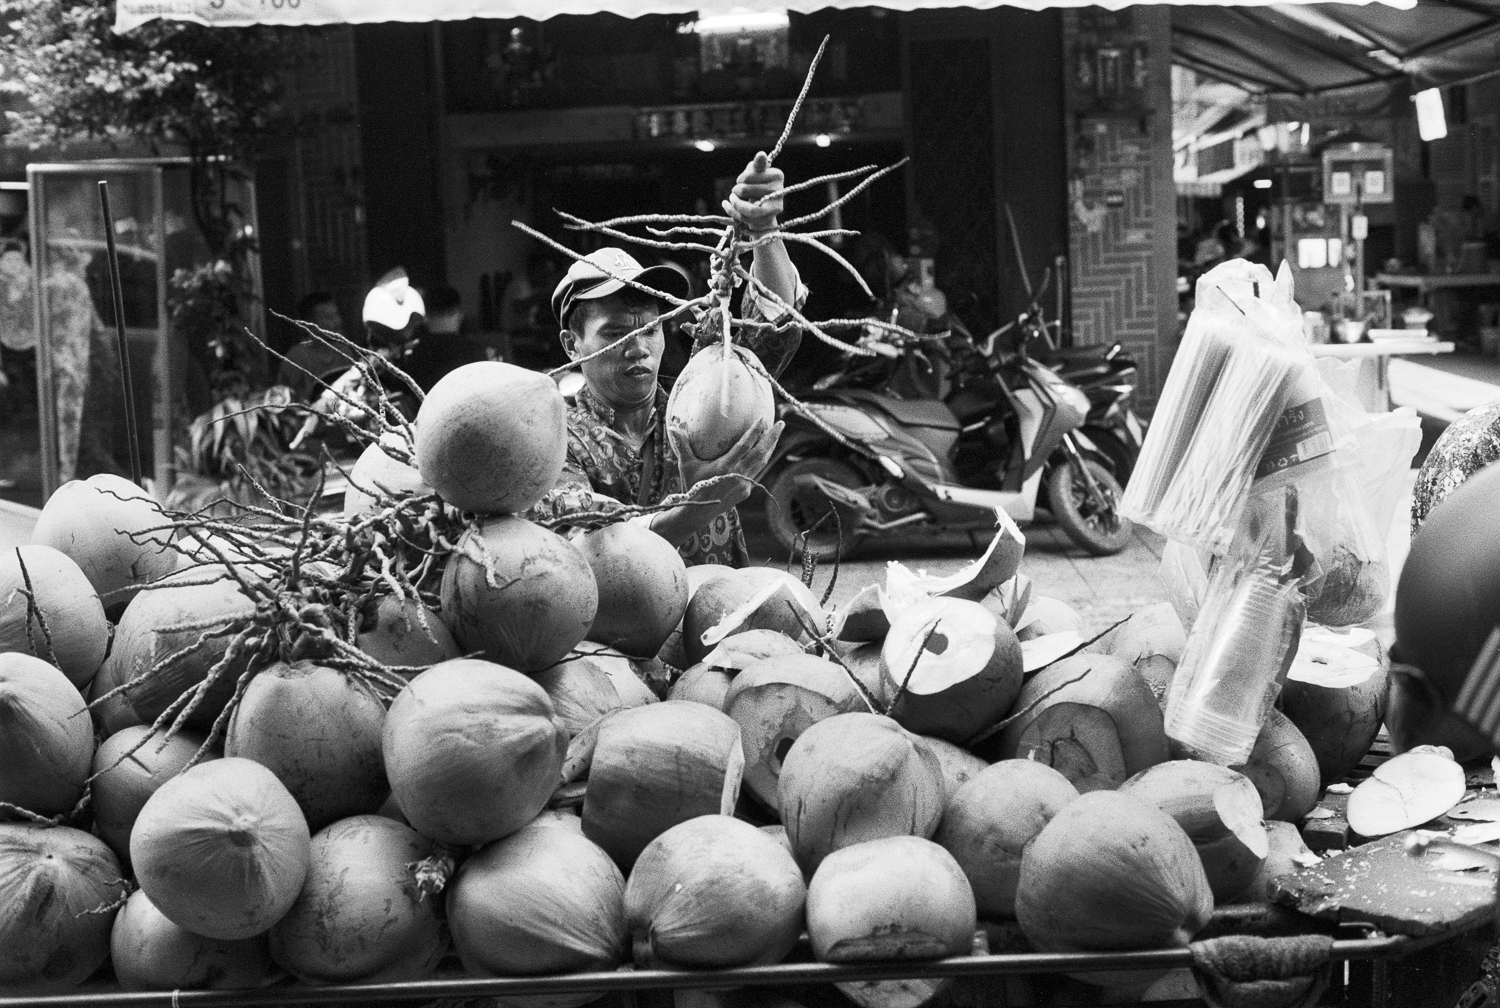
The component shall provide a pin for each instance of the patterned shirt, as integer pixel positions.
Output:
(603, 470)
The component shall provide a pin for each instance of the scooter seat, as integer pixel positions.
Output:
(908, 412)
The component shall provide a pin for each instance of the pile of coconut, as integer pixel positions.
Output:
(433, 735)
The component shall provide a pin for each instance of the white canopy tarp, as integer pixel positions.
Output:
(239, 13)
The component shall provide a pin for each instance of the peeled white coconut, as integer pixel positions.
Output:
(1218, 809)
(544, 900)
(642, 587)
(149, 952)
(684, 880)
(856, 777)
(898, 897)
(520, 594)
(221, 849)
(582, 693)
(1110, 872)
(361, 916)
(63, 598)
(121, 787)
(752, 598)
(708, 681)
(1154, 630)
(990, 820)
(674, 652)
(53, 881)
(650, 768)
(1039, 652)
(1283, 769)
(703, 684)
(954, 667)
(637, 680)
(102, 523)
(1405, 791)
(865, 662)
(318, 729)
(775, 700)
(862, 619)
(472, 751)
(403, 633)
(379, 477)
(1002, 558)
(717, 399)
(958, 766)
(46, 739)
(492, 437)
(1045, 616)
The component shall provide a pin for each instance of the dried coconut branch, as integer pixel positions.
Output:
(845, 198)
(791, 118)
(670, 299)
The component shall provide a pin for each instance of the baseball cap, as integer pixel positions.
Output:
(594, 276)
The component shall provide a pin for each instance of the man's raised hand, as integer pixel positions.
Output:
(756, 199)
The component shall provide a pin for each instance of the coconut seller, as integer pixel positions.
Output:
(619, 450)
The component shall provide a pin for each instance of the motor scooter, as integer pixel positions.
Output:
(1106, 373)
(1002, 433)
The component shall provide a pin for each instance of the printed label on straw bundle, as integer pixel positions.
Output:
(1301, 435)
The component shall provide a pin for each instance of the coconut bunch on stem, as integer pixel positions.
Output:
(725, 241)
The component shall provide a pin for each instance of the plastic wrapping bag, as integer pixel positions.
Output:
(1184, 572)
(1242, 404)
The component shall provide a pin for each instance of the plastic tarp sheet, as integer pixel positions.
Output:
(130, 14)
(1285, 49)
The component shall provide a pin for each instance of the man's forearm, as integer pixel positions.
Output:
(677, 525)
(773, 267)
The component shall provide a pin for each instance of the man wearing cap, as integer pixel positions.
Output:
(618, 449)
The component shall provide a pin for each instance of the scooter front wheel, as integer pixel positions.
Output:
(1096, 527)
(793, 509)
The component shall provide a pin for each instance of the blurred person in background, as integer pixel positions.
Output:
(442, 344)
(312, 363)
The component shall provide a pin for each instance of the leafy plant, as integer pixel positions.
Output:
(238, 452)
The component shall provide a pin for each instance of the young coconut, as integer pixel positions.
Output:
(857, 777)
(1044, 616)
(650, 768)
(102, 524)
(176, 633)
(988, 823)
(1286, 853)
(1218, 809)
(637, 680)
(754, 598)
(898, 897)
(492, 437)
(402, 632)
(1284, 770)
(472, 751)
(718, 397)
(642, 587)
(378, 477)
(862, 619)
(319, 731)
(704, 684)
(59, 890)
(866, 664)
(681, 884)
(1090, 716)
(149, 952)
(1335, 695)
(958, 766)
(1154, 630)
(953, 666)
(48, 609)
(674, 652)
(221, 849)
(778, 834)
(362, 915)
(1111, 873)
(1406, 791)
(121, 787)
(582, 693)
(46, 740)
(110, 714)
(775, 700)
(544, 900)
(520, 594)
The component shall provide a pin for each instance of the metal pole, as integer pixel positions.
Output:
(119, 302)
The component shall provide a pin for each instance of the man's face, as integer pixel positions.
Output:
(327, 316)
(624, 378)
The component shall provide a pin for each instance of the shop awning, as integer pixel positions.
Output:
(238, 13)
(1306, 50)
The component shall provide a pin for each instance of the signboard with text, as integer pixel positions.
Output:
(1356, 174)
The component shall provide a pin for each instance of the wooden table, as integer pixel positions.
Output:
(1375, 377)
